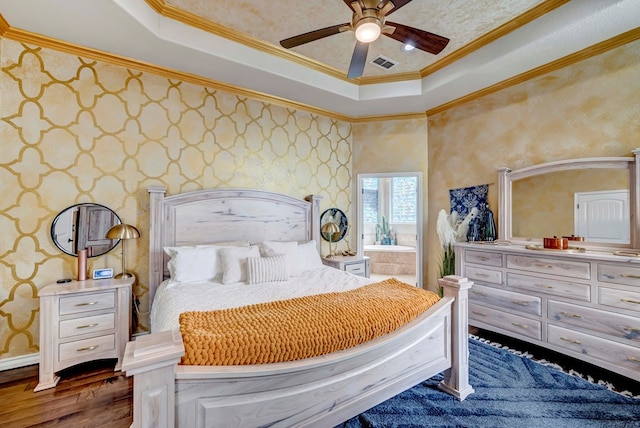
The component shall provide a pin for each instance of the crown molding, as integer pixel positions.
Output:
(591, 51)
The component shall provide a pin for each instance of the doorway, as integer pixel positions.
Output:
(389, 226)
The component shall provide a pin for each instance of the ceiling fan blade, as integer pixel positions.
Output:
(421, 39)
(301, 39)
(358, 60)
(348, 3)
(396, 3)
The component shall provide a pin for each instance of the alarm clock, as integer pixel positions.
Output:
(102, 273)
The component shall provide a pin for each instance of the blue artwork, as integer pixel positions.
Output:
(464, 199)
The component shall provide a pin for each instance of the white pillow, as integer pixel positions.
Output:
(308, 256)
(289, 249)
(234, 261)
(190, 263)
(267, 269)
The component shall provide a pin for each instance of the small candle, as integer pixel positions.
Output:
(82, 265)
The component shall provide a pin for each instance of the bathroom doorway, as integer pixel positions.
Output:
(389, 224)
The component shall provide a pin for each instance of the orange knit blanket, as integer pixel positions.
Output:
(298, 328)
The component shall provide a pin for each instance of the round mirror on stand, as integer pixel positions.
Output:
(84, 226)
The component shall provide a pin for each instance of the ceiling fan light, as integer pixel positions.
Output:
(368, 30)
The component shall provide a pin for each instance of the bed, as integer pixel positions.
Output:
(323, 390)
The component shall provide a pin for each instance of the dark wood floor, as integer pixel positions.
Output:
(92, 395)
(88, 395)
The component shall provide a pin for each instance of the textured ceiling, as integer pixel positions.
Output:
(234, 44)
(460, 21)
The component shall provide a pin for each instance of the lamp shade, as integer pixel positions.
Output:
(123, 231)
(330, 228)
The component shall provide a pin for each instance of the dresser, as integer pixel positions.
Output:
(585, 305)
(82, 321)
(352, 264)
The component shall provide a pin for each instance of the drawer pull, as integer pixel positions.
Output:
(482, 275)
(526, 327)
(574, 341)
(520, 302)
(630, 301)
(479, 293)
(483, 258)
(482, 314)
(86, 304)
(547, 286)
(624, 275)
(570, 315)
(87, 326)
(88, 348)
(542, 265)
(634, 359)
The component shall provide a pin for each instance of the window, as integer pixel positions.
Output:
(370, 200)
(403, 199)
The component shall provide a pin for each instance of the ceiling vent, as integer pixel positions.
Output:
(384, 62)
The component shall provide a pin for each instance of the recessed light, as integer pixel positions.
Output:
(408, 47)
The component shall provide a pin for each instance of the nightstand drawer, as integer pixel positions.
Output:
(84, 325)
(86, 302)
(86, 347)
(356, 269)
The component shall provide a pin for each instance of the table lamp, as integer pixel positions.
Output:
(330, 228)
(123, 232)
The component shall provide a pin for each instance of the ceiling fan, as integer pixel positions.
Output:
(368, 22)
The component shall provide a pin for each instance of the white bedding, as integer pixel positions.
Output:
(170, 301)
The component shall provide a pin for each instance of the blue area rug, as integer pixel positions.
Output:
(510, 391)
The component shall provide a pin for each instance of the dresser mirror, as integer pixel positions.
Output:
(593, 198)
(84, 226)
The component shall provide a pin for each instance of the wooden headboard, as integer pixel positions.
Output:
(218, 215)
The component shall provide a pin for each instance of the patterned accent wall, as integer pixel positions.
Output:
(76, 130)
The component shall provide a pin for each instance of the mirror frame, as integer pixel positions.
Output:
(506, 177)
(58, 216)
(343, 225)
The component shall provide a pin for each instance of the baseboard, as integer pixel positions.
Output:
(21, 361)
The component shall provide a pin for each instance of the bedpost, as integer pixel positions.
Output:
(152, 360)
(156, 211)
(315, 218)
(456, 379)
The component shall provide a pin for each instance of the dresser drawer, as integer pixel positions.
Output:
(506, 299)
(568, 268)
(86, 347)
(84, 325)
(571, 290)
(619, 274)
(616, 325)
(619, 298)
(356, 268)
(86, 302)
(483, 258)
(483, 275)
(615, 353)
(513, 323)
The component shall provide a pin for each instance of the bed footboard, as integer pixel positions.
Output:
(320, 391)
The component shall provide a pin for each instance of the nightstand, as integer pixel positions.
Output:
(353, 264)
(82, 321)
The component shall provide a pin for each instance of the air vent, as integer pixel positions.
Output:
(384, 62)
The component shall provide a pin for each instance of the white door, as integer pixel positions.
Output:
(603, 216)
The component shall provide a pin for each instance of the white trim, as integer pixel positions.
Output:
(21, 361)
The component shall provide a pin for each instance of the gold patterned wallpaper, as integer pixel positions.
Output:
(587, 109)
(77, 130)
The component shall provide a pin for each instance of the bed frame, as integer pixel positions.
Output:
(320, 391)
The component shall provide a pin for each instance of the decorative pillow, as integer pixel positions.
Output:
(289, 249)
(308, 256)
(234, 260)
(190, 263)
(267, 269)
